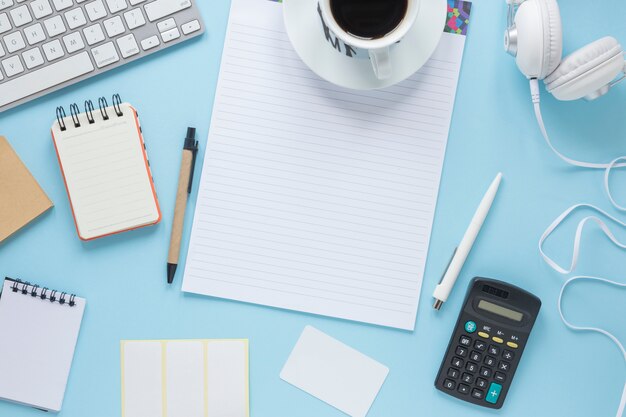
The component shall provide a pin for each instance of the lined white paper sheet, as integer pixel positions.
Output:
(106, 173)
(313, 197)
(185, 378)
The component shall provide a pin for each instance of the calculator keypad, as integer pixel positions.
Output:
(478, 368)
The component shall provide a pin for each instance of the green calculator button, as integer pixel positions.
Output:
(470, 326)
(493, 393)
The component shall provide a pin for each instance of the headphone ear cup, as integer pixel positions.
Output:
(539, 38)
(587, 71)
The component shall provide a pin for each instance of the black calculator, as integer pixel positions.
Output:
(487, 343)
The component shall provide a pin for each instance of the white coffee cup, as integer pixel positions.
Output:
(377, 49)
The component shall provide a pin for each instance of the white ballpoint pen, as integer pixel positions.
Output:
(442, 291)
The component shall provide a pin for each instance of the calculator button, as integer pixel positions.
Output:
(508, 355)
(465, 341)
(461, 351)
(463, 389)
(497, 339)
(453, 373)
(494, 350)
(449, 384)
(470, 326)
(481, 383)
(467, 378)
(478, 393)
(499, 376)
(480, 345)
(483, 335)
(476, 356)
(511, 344)
(471, 366)
(490, 361)
(485, 372)
(504, 366)
(493, 393)
(457, 362)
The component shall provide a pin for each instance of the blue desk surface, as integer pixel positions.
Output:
(123, 277)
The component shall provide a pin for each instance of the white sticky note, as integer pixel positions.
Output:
(334, 372)
(227, 378)
(142, 379)
(185, 378)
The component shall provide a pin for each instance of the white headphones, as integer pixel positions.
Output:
(533, 36)
(535, 39)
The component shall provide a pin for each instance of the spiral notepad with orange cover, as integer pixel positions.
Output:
(105, 168)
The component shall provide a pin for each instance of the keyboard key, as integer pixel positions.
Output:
(21, 16)
(12, 66)
(14, 42)
(73, 42)
(497, 339)
(494, 350)
(75, 18)
(485, 372)
(481, 383)
(170, 35)
(493, 393)
(480, 345)
(95, 10)
(114, 26)
(504, 366)
(41, 8)
(449, 384)
(463, 389)
(483, 335)
(457, 362)
(453, 373)
(161, 8)
(128, 45)
(32, 58)
(35, 34)
(2, 53)
(499, 376)
(5, 4)
(5, 24)
(467, 378)
(465, 341)
(191, 27)
(134, 18)
(471, 367)
(54, 26)
(512, 345)
(136, 2)
(53, 50)
(461, 351)
(45, 77)
(149, 43)
(490, 361)
(475, 356)
(166, 25)
(508, 355)
(62, 4)
(116, 5)
(105, 54)
(94, 34)
(478, 394)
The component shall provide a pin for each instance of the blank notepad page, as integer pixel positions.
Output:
(106, 173)
(314, 197)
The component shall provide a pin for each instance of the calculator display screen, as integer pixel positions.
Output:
(501, 311)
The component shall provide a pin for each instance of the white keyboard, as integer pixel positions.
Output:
(46, 45)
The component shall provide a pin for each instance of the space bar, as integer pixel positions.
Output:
(44, 78)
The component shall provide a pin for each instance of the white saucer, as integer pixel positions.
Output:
(306, 33)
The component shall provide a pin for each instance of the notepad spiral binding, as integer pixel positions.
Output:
(44, 293)
(89, 109)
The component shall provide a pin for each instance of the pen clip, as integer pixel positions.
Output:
(448, 266)
(194, 152)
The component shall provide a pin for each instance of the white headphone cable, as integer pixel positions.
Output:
(616, 163)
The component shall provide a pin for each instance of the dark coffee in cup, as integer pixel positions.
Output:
(369, 19)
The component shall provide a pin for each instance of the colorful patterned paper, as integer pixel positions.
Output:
(458, 17)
